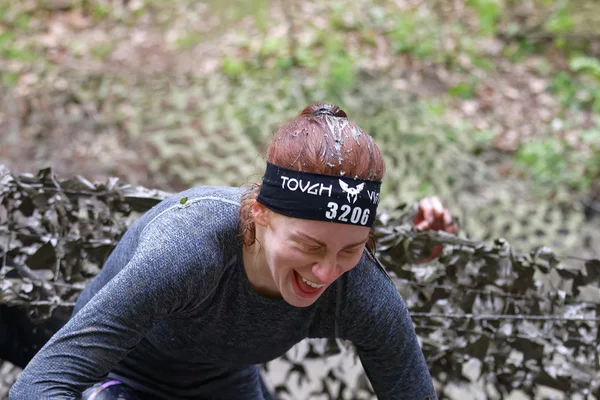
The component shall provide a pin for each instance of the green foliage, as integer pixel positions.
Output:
(591, 161)
(553, 161)
(564, 85)
(560, 21)
(464, 90)
(232, 67)
(273, 46)
(260, 12)
(305, 58)
(414, 33)
(401, 36)
(545, 157)
(189, 40)
(576, 92)
(488, 13)
(434, 108)
(22, 21)
(590, 65)
(519, 50)
(7, 39)
(102, 50)
(14, 18)
(14, 24)
(100, 10)
(10, 48)
(10, 78)
(337, 21)
(341, 72)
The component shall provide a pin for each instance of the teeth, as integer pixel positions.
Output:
(311, 284)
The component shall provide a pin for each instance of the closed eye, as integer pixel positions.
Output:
(309, 249)
(352, 250)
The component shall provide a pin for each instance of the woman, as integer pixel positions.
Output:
(214, 281)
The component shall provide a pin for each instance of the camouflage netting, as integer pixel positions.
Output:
(483, 312)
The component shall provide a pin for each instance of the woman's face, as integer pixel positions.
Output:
(303, 256)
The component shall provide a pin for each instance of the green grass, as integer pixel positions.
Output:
(422, 33)
(554, 162)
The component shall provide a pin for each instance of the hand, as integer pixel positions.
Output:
(432, 215)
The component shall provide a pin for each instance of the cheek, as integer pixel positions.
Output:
(349, 263)
(286, 257)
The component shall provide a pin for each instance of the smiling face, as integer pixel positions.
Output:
(297, 258)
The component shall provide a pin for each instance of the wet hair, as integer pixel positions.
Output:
(320, 140)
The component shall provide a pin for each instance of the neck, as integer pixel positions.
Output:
(258, 272)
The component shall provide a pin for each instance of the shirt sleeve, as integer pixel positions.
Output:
(167, 274)
(379, 325)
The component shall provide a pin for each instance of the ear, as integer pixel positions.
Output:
(260, 213)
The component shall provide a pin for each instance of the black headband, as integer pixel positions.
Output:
(319, 197)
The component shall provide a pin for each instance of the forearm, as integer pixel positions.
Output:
(387, 345)
(95, 339)
(398, 373)
(79, 355)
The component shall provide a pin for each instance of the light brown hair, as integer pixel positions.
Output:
(320, 140)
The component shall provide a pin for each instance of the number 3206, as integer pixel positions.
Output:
(345, 212)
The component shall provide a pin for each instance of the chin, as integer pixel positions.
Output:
(298, 302)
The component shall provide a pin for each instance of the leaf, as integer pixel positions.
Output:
(559, 382)
(27, 287)
(27, 207)
(531, 350)
(479, 348)
(43, 258)
(279, 389)
(301, 370)
(312, 354)
(587, 64)
(78, 183)
(332, 348)
(467, 301)
(592, 268)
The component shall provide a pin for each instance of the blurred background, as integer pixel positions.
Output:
(493, 105)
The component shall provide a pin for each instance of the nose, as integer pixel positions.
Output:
(326, 270)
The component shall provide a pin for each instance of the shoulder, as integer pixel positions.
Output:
(223, 198)
(188, 239)
(368, 284)
(198, 226)
(371, 299)
(194, 212)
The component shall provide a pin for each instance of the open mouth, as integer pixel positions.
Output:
(305, 288)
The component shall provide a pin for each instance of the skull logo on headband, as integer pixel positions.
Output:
(351, 191)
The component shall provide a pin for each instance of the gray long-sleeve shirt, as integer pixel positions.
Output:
(173, 315)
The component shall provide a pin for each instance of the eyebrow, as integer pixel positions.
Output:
(304, 235)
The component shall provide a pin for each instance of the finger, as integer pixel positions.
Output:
(437, 207)
(423, 225)
(419, 217)
(427, 209)
(447, 218)
(450, 225)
